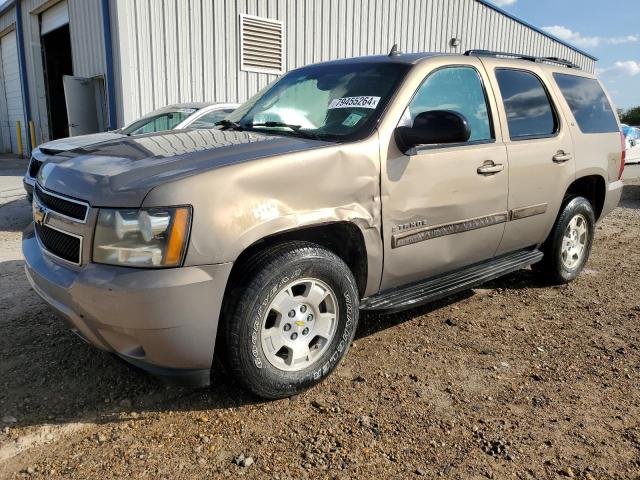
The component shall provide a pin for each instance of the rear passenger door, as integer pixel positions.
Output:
(539, 148)
(593, 123)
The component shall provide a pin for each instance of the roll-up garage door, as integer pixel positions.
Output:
(54, 17)
(13, 110)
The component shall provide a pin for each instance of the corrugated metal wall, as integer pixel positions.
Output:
(87, 51)
(182, 50)
(8, 19)
(11, 106)
(169, 51)
(7, 26)
(87, 37)
(35, 72)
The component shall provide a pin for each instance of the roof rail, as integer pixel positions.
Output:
(530, 58)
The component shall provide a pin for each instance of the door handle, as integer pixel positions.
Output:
(562, 157)
(490, 168)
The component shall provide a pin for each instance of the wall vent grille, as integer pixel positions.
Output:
(261, 45)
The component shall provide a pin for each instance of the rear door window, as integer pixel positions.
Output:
(526, 102)
(588, 102)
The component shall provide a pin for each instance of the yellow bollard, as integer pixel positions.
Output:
(32, 134)
(19, 137)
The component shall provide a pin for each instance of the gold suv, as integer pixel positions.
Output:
(374, 183)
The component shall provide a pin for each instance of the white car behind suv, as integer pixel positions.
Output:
(632, 138)
(171, 117)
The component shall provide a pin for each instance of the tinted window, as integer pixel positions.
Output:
(158, 123)
(458, 89)
(589, 104)
(529, 113)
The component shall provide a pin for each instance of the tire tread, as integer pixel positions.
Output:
(254, 274)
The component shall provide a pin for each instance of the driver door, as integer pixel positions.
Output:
(445, 206)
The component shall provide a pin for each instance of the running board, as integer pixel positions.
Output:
(447, 284)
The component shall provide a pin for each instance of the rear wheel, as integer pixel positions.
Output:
(293, 321)
(568, 247)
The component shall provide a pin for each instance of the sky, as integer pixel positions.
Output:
(608, 30)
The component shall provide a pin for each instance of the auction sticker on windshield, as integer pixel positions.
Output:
(350, 102)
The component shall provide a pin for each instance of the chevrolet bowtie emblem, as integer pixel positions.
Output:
(299, 324)
(39, 214)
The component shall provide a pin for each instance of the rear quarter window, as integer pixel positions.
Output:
(588, 103)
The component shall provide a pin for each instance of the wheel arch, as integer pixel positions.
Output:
(347, 239)
(591, 187)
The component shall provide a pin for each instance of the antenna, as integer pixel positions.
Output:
(394, 51)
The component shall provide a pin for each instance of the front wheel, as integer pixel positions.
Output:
(568, 247)
(293, 320)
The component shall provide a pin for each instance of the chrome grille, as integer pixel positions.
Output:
(60, 244)
(60, 224)
(73, 209)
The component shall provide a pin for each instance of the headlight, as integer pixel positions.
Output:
(154, 237)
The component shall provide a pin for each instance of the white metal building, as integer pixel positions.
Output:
(99, 64)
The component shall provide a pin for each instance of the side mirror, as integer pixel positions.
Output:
(633, 142)
(433, 128)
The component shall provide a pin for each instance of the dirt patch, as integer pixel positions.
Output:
(514, 379)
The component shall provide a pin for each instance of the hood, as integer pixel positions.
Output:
(70, 143)
(121, 172)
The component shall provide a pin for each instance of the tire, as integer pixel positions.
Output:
(562, 264)
(272, 353)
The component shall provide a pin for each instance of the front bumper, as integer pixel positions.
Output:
(612, 198)
(164, 321)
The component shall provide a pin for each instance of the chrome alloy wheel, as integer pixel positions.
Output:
(299, 324)
(574, 241)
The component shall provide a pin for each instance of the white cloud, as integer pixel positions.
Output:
(579, 40)
(626, 39)
(629, 68)
(504, 3)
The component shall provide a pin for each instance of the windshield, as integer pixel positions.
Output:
(158, 121)
(332, 102)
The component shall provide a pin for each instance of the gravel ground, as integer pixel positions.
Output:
(516, 379)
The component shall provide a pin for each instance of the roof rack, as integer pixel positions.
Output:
(530, 58)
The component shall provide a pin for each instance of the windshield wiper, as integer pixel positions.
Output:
(295, 128)
(229, 124)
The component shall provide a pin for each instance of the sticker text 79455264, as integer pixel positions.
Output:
(351, 102)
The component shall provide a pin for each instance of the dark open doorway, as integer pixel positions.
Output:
(56, 58)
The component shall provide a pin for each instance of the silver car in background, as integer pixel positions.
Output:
(632, 141)
(171, 117)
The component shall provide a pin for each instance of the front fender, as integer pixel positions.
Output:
(238, 205)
